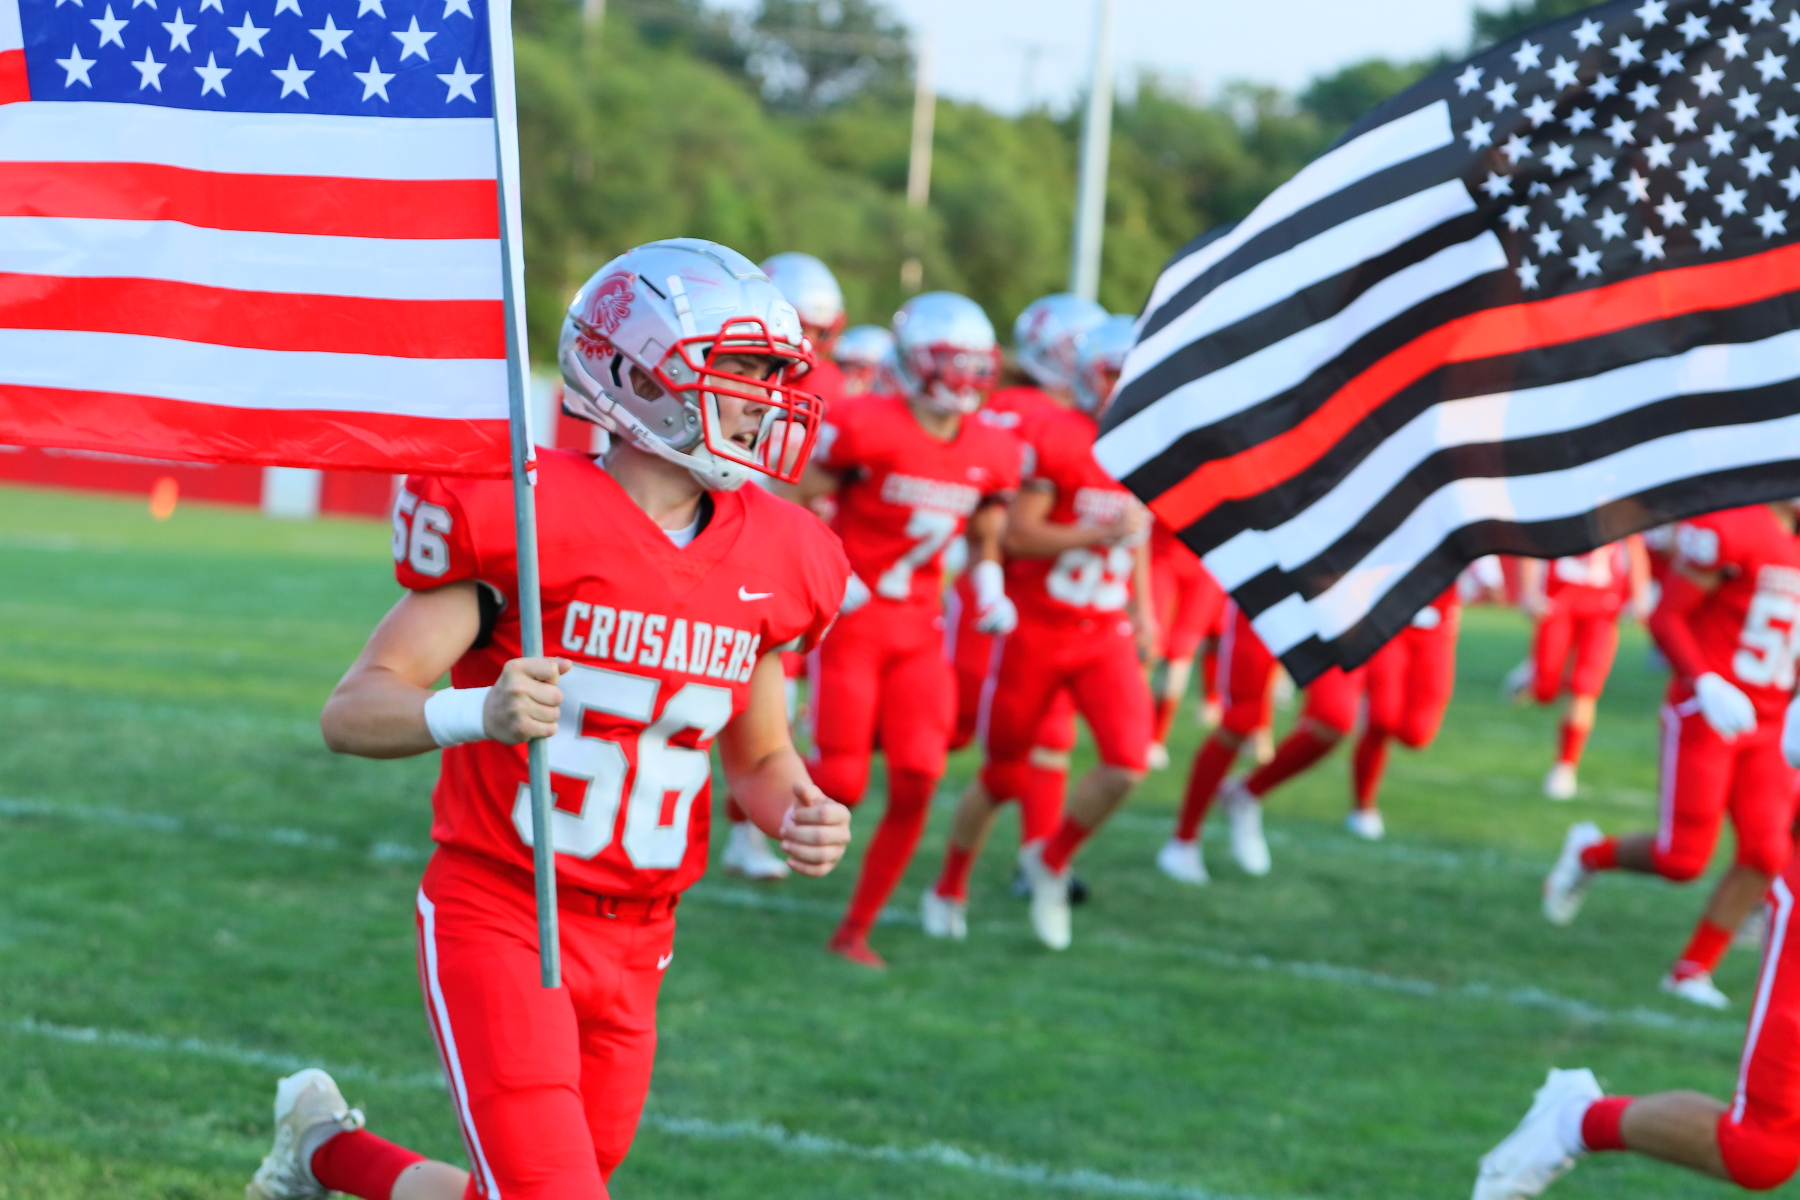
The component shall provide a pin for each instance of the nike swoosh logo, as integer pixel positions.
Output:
(744, 595)
(662, 964)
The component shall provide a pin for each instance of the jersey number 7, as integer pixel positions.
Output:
(599, 766)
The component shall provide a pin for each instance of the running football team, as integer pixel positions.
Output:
(935, 549)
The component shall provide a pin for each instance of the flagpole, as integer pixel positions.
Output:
(524, 470)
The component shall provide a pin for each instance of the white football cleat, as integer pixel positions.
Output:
(1518, 682)
(1366, 823)
(1049, 897)
(1537, 1152)
(747, 854)
(1567, 884)
(1248, 845)
(1559, 784)
(943, 917)
(1697, 989)
(1181, 862)
(309, 1111)
(1158, 757)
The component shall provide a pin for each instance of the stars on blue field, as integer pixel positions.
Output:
(1636, 138)
(397, 58)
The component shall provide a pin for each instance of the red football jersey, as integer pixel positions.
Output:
(1170, 553)
(1749, 627)
(1089, 579)
(904, 494)
(1607, 569)
(1009, 407)
(664, 642)
(826, 381)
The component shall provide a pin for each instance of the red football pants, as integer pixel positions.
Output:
(1245, 672)
(1704, 777)
(881, 670)
(1409, 683)
(1095, 661)
(1188, 601)
(1759, 1135)
(1582, 620)
(548, 1085)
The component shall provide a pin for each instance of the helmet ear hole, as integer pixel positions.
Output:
(645, 387)
(616, 361)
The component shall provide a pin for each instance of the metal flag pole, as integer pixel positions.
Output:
(1096, 151)
(524, 470)
(918, 168)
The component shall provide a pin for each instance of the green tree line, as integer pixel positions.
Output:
(789, 130)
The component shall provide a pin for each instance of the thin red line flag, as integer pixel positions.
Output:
(257, 231)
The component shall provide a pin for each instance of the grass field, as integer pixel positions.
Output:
(195, 897)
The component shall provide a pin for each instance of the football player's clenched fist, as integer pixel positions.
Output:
(523, 703)
(814, 832)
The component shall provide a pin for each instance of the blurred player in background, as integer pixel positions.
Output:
(1577, 602)
(909, 473)
(1077, 568)
(1189, 604)
(1408, 684)
(865, 355)
(1752, 1141)
(813, 290)
(650, 561)
(1727, 624)
(1046, 341)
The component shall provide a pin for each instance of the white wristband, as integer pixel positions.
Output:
(454, 715)
(989, 581)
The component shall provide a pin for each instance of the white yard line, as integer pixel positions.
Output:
(932, 1154)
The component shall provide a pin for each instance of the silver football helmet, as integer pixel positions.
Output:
(1099, 358)
(1046, 337)
(640, 350)
(866, 354)
(945, 352)
(810, 287)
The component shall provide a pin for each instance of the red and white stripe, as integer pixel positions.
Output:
(249, 287)
(445, 1035)
(1781, 909)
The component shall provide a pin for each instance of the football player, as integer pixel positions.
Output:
(1408, 683)
(667, 590)
(1726, 623)
(865, 354)
(1046, 339)
(1189, 604)
(1077, 568)
(1752, 1141)
(1576, 603)
(813, 290)
(909, 473)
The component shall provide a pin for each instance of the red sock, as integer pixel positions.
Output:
(1209, 676)
(891, 849)
(953, 880)
(1041, 803)
(1600, 1124)
(733, 813)
(1298, 751)
(1366, 768)
(1704, 950)
(360, 1164)
(1601, 856)
(1166, 709)
(1210, 765)
(1574, 740)
(1064, 843)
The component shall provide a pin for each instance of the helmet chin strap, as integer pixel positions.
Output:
(948, 401)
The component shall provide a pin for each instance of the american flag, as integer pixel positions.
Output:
(260, 231)
(1541, 300)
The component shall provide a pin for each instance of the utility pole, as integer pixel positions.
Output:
(1096, 151)
(593, 16)
(918, 170)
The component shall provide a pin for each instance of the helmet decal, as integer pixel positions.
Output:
(610, 302)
